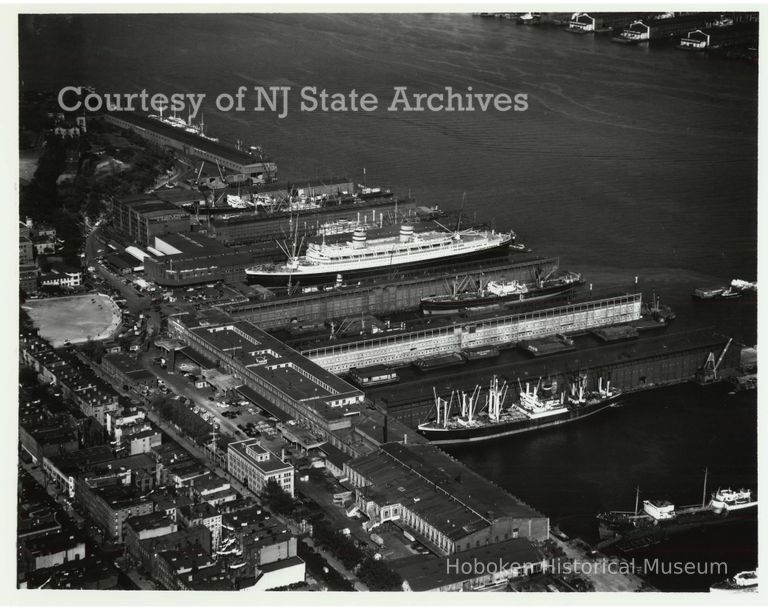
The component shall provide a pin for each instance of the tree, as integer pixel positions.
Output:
(277, 500)
(378, 576)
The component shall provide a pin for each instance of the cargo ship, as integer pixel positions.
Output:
(659, 518)
(323, 262)
(538, 407)
(743, 581)
(496, 293)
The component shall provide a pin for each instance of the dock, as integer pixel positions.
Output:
(386, 294)
(649, 362)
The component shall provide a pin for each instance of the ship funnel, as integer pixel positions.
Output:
(358, 238)
(406, 233)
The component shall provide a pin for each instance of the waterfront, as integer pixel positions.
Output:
(660, 441)
(630, 161)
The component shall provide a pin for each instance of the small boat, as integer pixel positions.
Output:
(744, 581)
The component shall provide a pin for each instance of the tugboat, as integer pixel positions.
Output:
(744, 581)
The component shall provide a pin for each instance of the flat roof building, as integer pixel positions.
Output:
(316, 398)
(439, 499)
(249, 462)
(142, 217)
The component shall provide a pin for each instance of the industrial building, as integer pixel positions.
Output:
(192, 258)
(438, 499)
(125, 371)
(143, 217)
(242, 165)
(314, 397)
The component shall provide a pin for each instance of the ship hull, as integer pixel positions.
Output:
(501, 430)
(281, 278)
(448, 306)
(627, 540)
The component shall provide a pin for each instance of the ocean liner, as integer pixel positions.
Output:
(496, 293)
(325, 261)
(538, 406)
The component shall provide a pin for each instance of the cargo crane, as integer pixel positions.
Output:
(709, 371)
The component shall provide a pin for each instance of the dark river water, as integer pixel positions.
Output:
(629, 161)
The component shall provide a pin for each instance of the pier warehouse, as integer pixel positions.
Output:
(241, 228)
(242, 165)
(716, 37)
(654, 29)
(439, 499)
(592, 22)
(314, 397)
(397, 348)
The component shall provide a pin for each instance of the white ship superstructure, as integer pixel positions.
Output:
(729, 500)
(541, 401)
(361, 253)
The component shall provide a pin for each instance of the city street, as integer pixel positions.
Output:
(180, 385)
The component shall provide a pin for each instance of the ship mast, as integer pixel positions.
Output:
(704, 494)
(637, 500)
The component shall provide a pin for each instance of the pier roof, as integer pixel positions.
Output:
(444, 492)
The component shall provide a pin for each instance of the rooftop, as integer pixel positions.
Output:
(257, 456)
(443, 491)
(222, 150)
(155, 520)
(195, 244)
(431, 572)
(150, 205)
(123, 362)
(282, 367)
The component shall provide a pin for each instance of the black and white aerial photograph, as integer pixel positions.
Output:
(376, 301)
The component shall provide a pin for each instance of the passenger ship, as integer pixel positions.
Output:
(325, 262)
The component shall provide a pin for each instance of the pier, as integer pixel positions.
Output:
(646, 363)
(385, 295)
(401, 348)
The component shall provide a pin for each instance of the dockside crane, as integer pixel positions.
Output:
(709, 372)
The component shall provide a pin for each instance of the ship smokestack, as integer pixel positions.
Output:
(358, 238)
(406, 233)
